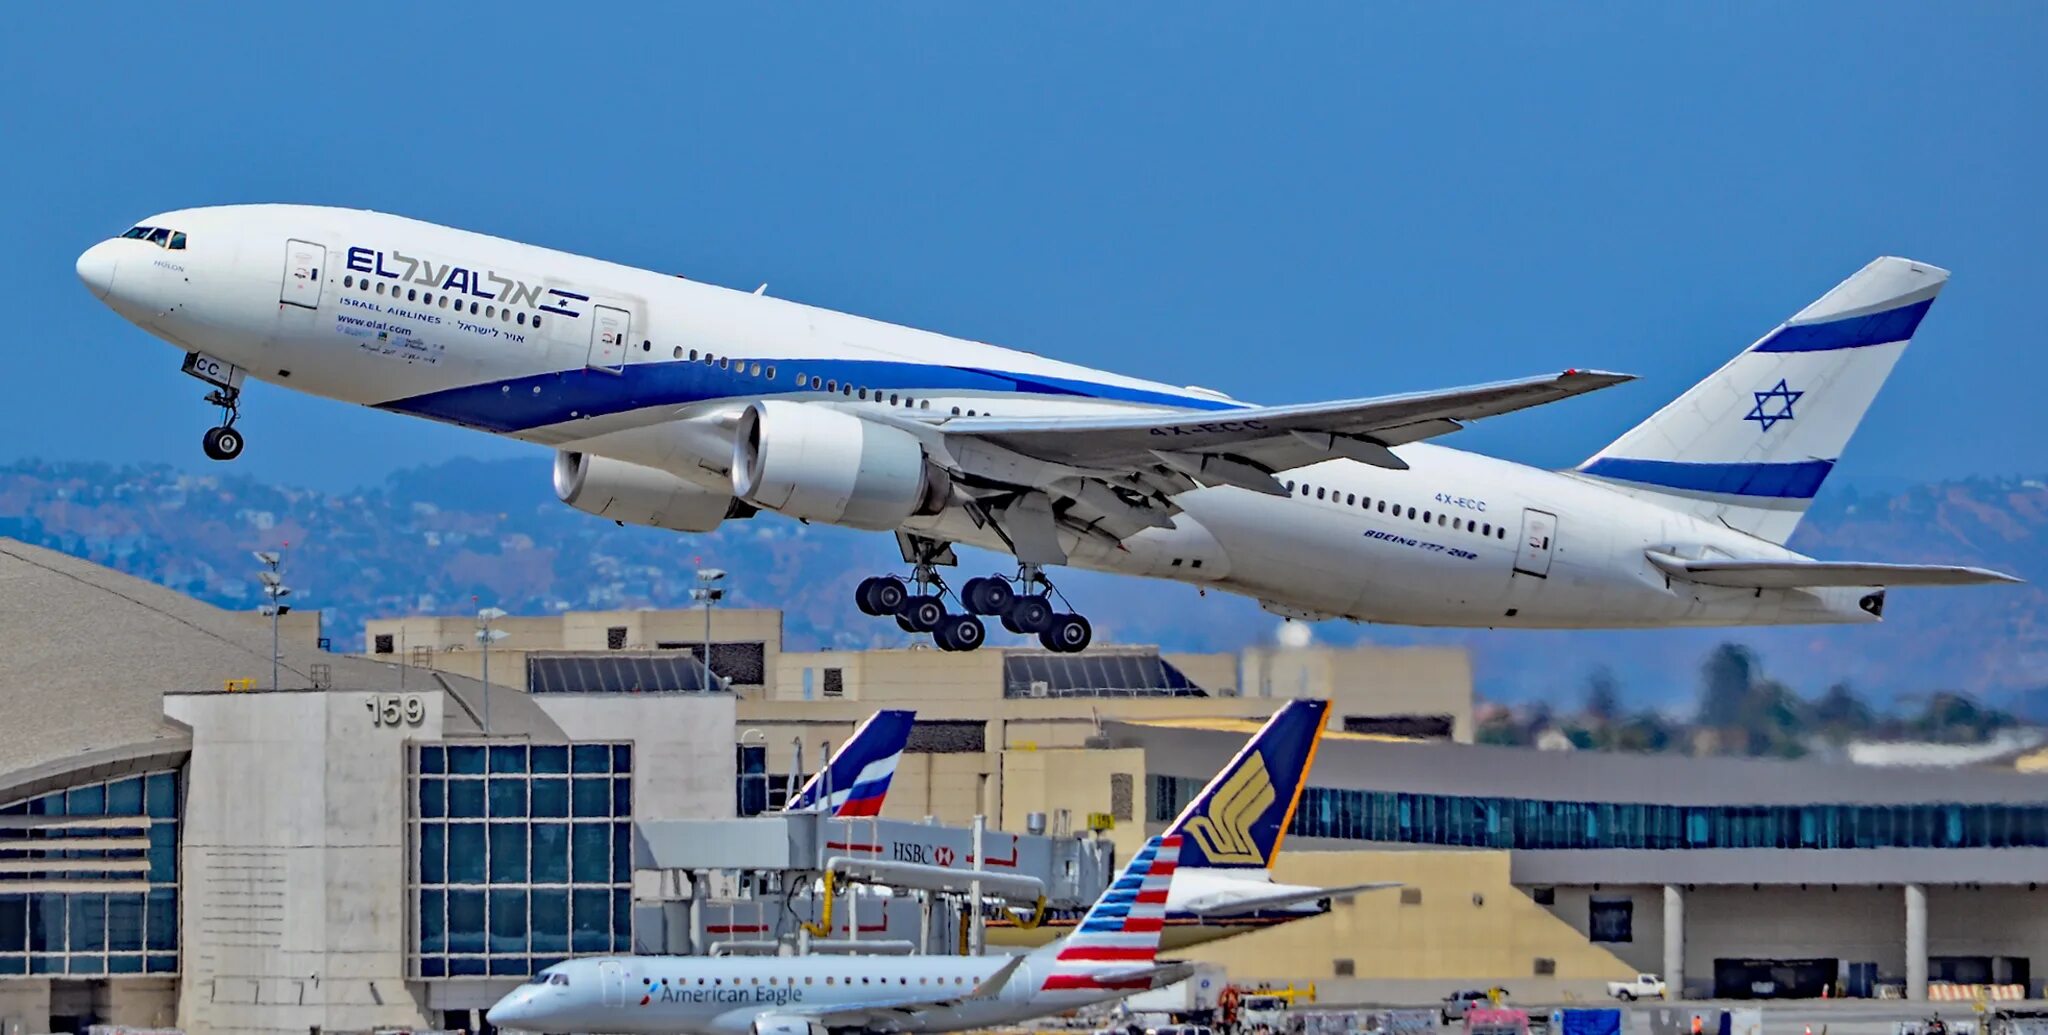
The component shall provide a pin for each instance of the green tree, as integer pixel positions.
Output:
(1603, 696)
(1725, 681)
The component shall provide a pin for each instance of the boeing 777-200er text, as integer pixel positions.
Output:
(681, 405)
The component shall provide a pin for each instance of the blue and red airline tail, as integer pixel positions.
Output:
(1238, 820)
(856, 781)
(1118, 940)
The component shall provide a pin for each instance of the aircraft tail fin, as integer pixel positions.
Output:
(1116, 944)
(1239, 819)
(1750, 445)
(856, 781)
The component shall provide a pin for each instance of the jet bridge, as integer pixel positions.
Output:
(812, 882)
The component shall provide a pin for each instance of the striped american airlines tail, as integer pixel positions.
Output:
(856, 781)
(1116, 946)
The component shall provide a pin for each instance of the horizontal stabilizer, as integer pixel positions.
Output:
(1282, 899)
(1813, 574)
(1164, 974)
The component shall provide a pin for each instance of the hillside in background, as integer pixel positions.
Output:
(450, 538)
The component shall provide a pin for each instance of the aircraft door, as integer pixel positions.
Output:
(610, 330)
(612, 975)
(304, 269)
(1539, 535)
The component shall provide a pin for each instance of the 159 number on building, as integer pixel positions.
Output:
(396, 709)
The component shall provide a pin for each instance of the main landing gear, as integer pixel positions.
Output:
(919, 606)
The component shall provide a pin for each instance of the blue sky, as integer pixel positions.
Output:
(1289, 203)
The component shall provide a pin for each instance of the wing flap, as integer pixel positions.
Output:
(1351, 427)
(1817, 574)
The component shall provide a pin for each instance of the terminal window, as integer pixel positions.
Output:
(523, 856)
(117, 912)
(1611, 920)
(1536, 824)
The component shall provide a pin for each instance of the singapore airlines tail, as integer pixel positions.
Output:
(1238, 820)
(1750, 445)
(856, 780)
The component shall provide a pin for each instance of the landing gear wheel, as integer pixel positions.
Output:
(887, 595)
(1029, 616)
(922, 614)
(222, 443)
(904, 624)
(960, 633)
(1068, 634)
(862, 598)
(988, 596)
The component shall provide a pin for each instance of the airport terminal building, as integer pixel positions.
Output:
(377, 841)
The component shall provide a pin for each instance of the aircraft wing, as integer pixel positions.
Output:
(1804, 574)
(1279, 899)
(1274, 437)
(1111, 476)
(889, 1014)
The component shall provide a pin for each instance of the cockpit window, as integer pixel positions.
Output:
(161, 236)
(560, 979)
(549, 979)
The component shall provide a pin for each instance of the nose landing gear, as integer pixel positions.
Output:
(223, 442)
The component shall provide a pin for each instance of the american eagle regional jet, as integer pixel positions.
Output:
(682, 405)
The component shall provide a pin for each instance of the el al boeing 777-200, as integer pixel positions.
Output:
(681, 405)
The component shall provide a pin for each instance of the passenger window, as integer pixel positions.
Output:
(536, 322)
(1457, 524)
(771, 373)
(380, 287)
(1290, 485)
(521, 319)
(412, 295)
(348, 282)
(443, 303)
(1350, 499)
(1500, 533)
(1425, 517)
(490, 312)
(1411, 513)
(178, 241)
(925, 404)
(753, 370)
(472, 309)
(1319, 492)
(956, 411)
(1304, 488)
(863, 394)
(1383, 506)
(1486, 528)
(1443, 520)
(159, 236)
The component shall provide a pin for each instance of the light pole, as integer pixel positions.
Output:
(708, 592)
(487, 636)
(274, 590)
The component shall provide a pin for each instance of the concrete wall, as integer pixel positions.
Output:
(1471, 927)
(294, 862)
(1368, 680)
(1849, 923)
(24, 1006)
(1079, 781)
(682, 747)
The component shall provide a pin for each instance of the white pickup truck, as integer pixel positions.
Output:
(1645, 986)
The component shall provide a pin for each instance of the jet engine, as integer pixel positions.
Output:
(821, 464)
(636, 495)
(786, 1024)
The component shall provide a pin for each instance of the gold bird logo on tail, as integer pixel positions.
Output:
(1224, 831)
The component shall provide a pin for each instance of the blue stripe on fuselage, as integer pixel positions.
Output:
(538, 400)
(1799, 481)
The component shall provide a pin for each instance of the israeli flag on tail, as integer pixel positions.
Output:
(856, 780)
(1238, 820)
(1750, 445)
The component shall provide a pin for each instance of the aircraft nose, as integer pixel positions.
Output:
(510, 1011)
(96, 268)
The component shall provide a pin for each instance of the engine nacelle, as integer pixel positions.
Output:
(637, 495)
(786, 1024)
(821, 464)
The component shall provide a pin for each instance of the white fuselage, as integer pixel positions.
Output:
(667, 995)
(620, 365)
